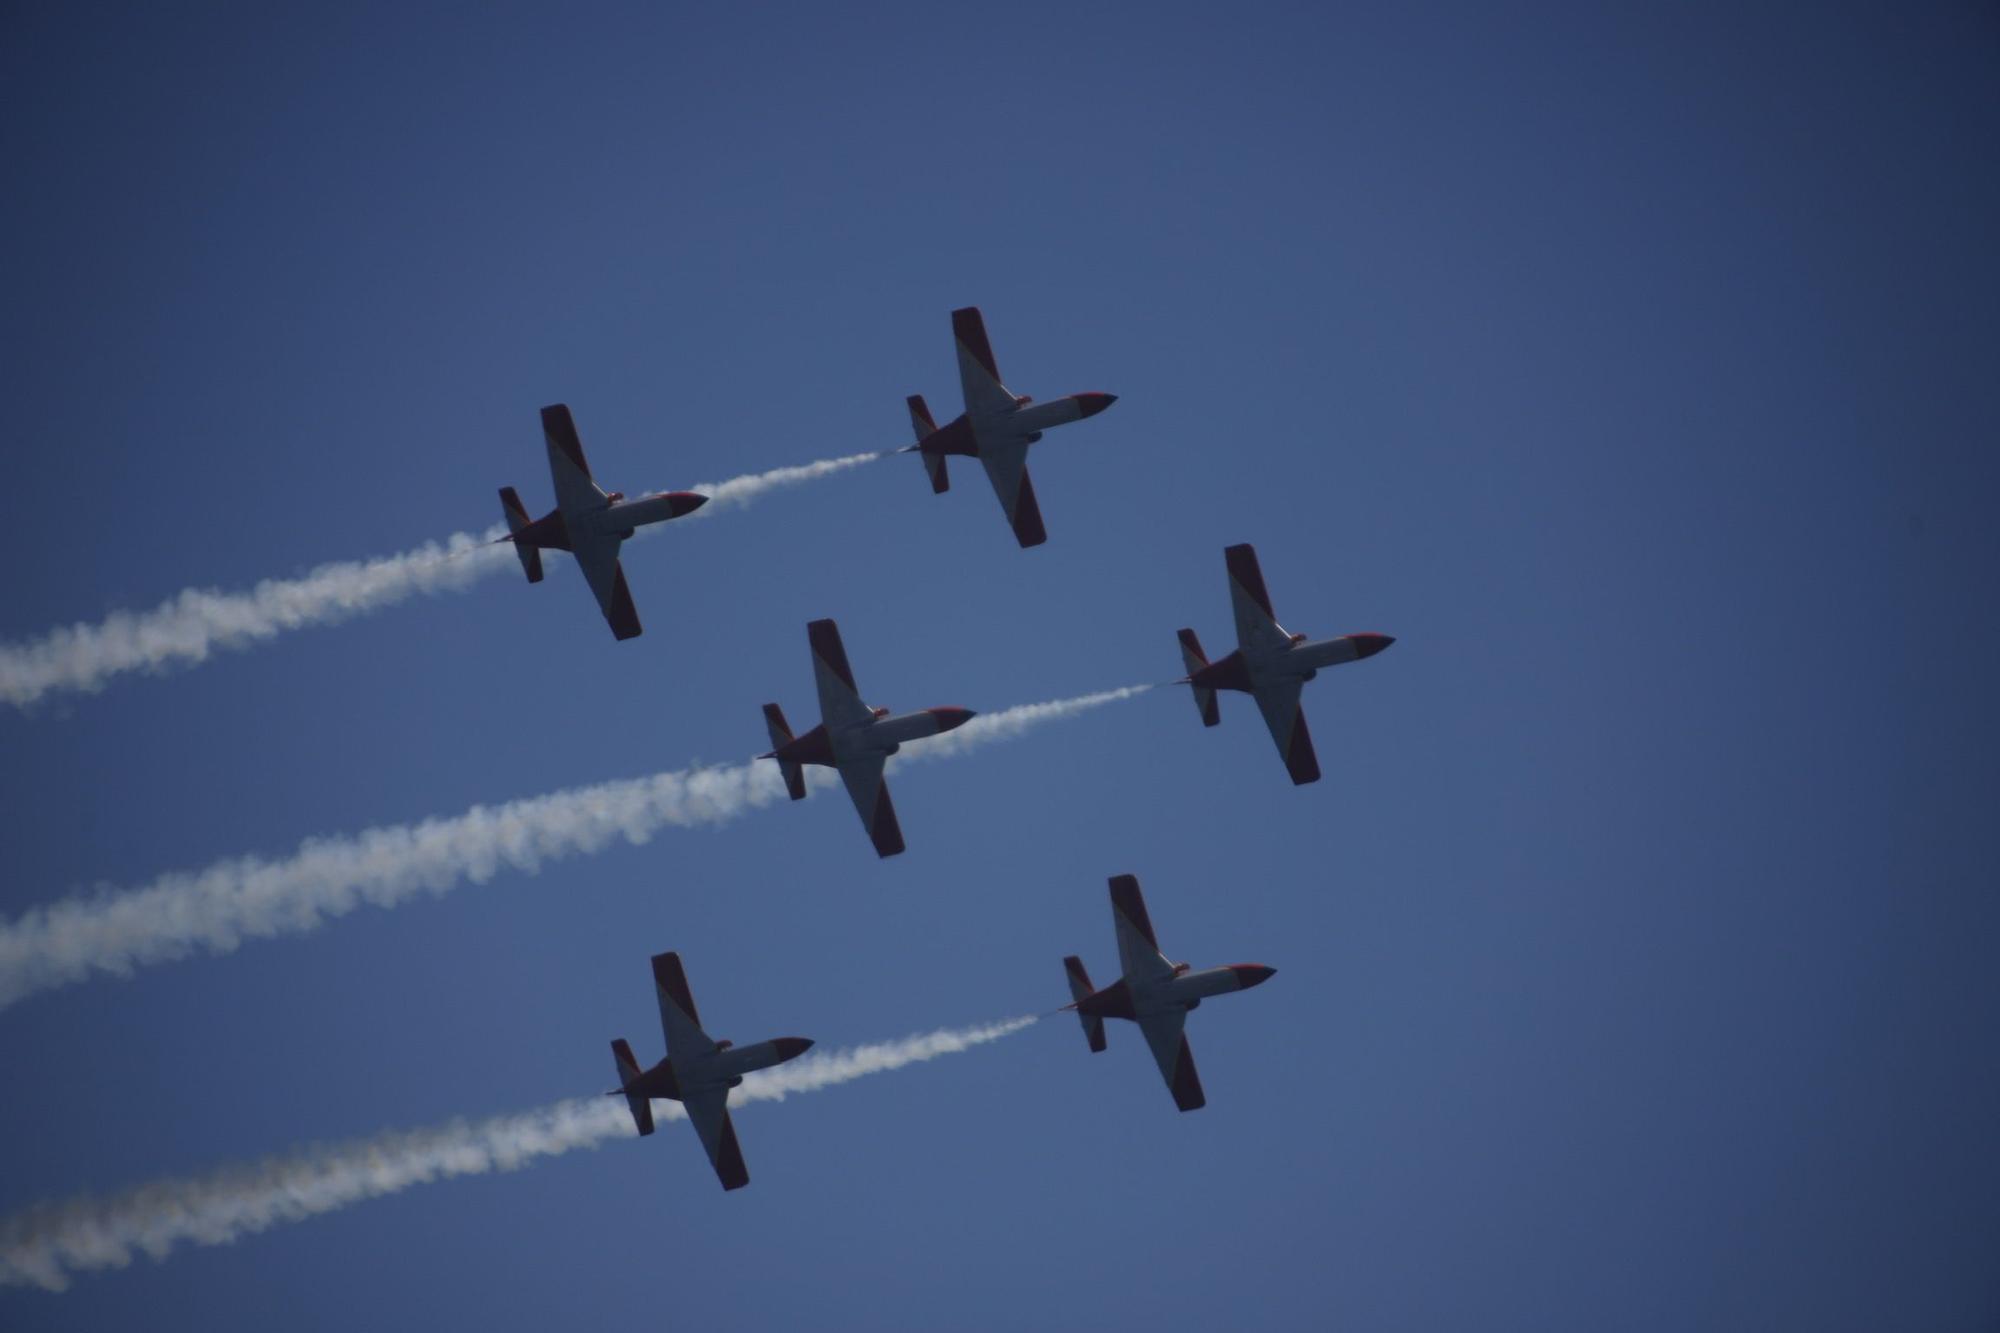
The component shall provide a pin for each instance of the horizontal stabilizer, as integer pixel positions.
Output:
(921, 423)
(517, 521)
(1080, 990)
(781, 736)
(628, 1074)
(1194, 660)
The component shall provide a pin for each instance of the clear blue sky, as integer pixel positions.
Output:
(1636, 953)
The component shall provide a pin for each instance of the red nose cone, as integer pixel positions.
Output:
(1251, 974)
(1090, 404)
(949, 719)
(686, 502)
(1367, 645)
(791, 1048)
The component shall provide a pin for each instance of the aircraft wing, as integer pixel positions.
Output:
(1139, 955)
(567, 467)
(1279, 703)
(708, 1108)
(978, 375)
(606, 575)
(870, 792)
(1258, 632)
(1170, 1051)
(1007, 468)
(839, 702)
(678, 1017)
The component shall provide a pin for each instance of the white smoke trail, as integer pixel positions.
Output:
(215, 909)
(45, 1245)
(740, 491)
(184, 630)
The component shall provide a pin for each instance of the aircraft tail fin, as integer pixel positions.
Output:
(628, 1074)
(517, 519)
(1194, 659)
(1080, 989)
(781, 736)
(921, 423)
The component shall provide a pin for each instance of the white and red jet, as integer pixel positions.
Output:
(1153, 993)
(698, 1072)
(996, 427)
(1269, 664)
(588, 522)
(852, 737)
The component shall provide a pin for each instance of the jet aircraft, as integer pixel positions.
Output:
(996, 427)
(1153, 993)
(852, 737)
(698, 1072)
(587, 522)
(1269, 664)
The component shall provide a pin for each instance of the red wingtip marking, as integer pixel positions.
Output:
(729, 1166)
(884, 831)
(1300, 761)
(1242, 563)
(1028, 529)
(560, 430)
(969, 327)
(824, 638)
(1187, 1084)
(624, 616)
(1125, 896)
(669, 977)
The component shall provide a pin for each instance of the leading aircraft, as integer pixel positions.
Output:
(1153, 992)
(698, 1072)
(996, 427)
(587, 522)
(1269, 664)
(852, 737)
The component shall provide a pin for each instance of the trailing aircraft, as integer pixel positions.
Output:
(1153, 992)
(698, 1072)
(588, 522)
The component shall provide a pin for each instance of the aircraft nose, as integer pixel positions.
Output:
(950, 718)
(686, 502)
(1251, 974)
(1367, 645)
(791, 1048)
(1090, 404)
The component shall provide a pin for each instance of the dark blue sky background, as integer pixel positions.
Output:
(1638, 372)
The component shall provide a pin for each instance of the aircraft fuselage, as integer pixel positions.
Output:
(614, 521)
(881, 734)
(1244, 670)
(724, 1067)
(1134, 997)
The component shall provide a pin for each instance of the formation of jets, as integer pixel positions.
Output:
(997, 427)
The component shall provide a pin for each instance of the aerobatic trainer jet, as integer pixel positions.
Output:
(698, 1072)
(587, 522)
(996, 427)
(851, 737)
(1153, 992)
(1268, 664)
